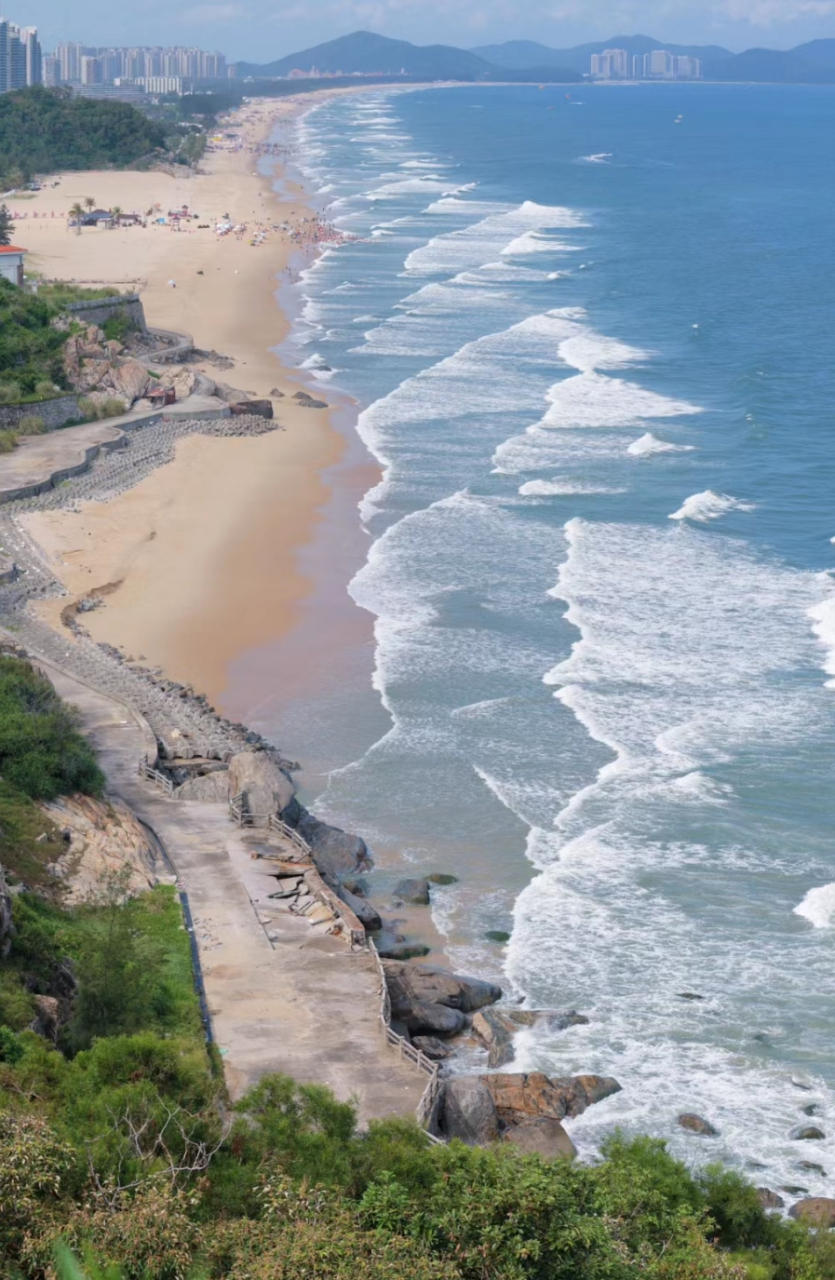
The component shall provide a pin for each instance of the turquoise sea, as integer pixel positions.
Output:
(591, 337)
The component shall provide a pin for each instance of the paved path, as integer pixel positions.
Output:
(282, 996)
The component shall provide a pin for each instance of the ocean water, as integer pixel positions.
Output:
(592, 350)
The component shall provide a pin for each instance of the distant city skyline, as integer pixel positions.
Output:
(260, 30)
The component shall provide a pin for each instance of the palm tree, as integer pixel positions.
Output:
(77, 212)
(116, 214)
(90, 202)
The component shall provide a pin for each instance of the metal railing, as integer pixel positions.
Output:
(148, 772)
(416, 1057)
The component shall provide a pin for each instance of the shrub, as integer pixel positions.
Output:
(31, 425)
(8, 441)
(94, 410)
(11, 1050)
(42, 752)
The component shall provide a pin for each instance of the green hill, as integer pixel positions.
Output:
(42, 130)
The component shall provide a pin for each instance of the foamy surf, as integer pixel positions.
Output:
(708, 505)
(818, 907)
(647, 445)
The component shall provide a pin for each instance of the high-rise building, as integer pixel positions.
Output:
(611, 64)
(688, 68)
(20, 56)
(659, 65)
(51, 70)
(90, 70)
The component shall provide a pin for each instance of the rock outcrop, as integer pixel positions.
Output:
(524, 1109)
(523, 1095)
(769, 1199)
(104, 840)
(411, 984)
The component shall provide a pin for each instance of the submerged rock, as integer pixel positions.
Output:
(769, 1199)
(807, 1133)
(442, 878)
(697, 1124)
(415, 892)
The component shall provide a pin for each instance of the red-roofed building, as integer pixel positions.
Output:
(11, 263)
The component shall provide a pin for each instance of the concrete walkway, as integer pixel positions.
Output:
(282, 996)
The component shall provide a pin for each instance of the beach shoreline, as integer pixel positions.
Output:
(205, 549)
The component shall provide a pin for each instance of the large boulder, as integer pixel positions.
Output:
(183, 382)
(469, 1112)
(430, 984)
(6, 927)
(130, 380)
(91, 374)
(816, 1211)
(769, 1199)
(542, 1136)
(337, 853)
(208, 787)
(521, 1095)
(434, 1020)
(47, 1021)
(367, 915)
(268, 789)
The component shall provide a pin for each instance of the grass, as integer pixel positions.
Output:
(60, 293)
(23, 855)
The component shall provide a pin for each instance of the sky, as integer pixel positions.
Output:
(262, 30)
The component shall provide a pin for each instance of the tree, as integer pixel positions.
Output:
(89, 202)
(116, 213)
(5, 225)
(77, 213)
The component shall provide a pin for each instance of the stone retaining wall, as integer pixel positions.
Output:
(54, 413)
(99, 310)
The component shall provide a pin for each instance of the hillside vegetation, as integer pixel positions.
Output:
(122, 1158)
(43, 130)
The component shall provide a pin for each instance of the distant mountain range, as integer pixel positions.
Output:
(519, 54)
(364, 53)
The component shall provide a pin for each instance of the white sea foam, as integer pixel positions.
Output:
(564, 487)
(594, 400)
(818, 907)
(648, 444)
(823, 625)
(601, 158)
(531, 242)
(487, 239)
(709, 506)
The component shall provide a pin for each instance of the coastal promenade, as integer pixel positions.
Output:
(281, 996)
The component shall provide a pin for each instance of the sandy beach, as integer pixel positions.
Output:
(202, 550)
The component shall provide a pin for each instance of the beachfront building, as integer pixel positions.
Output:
(658, 64)
(11, 264)
(611, 64)
(21, 63)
